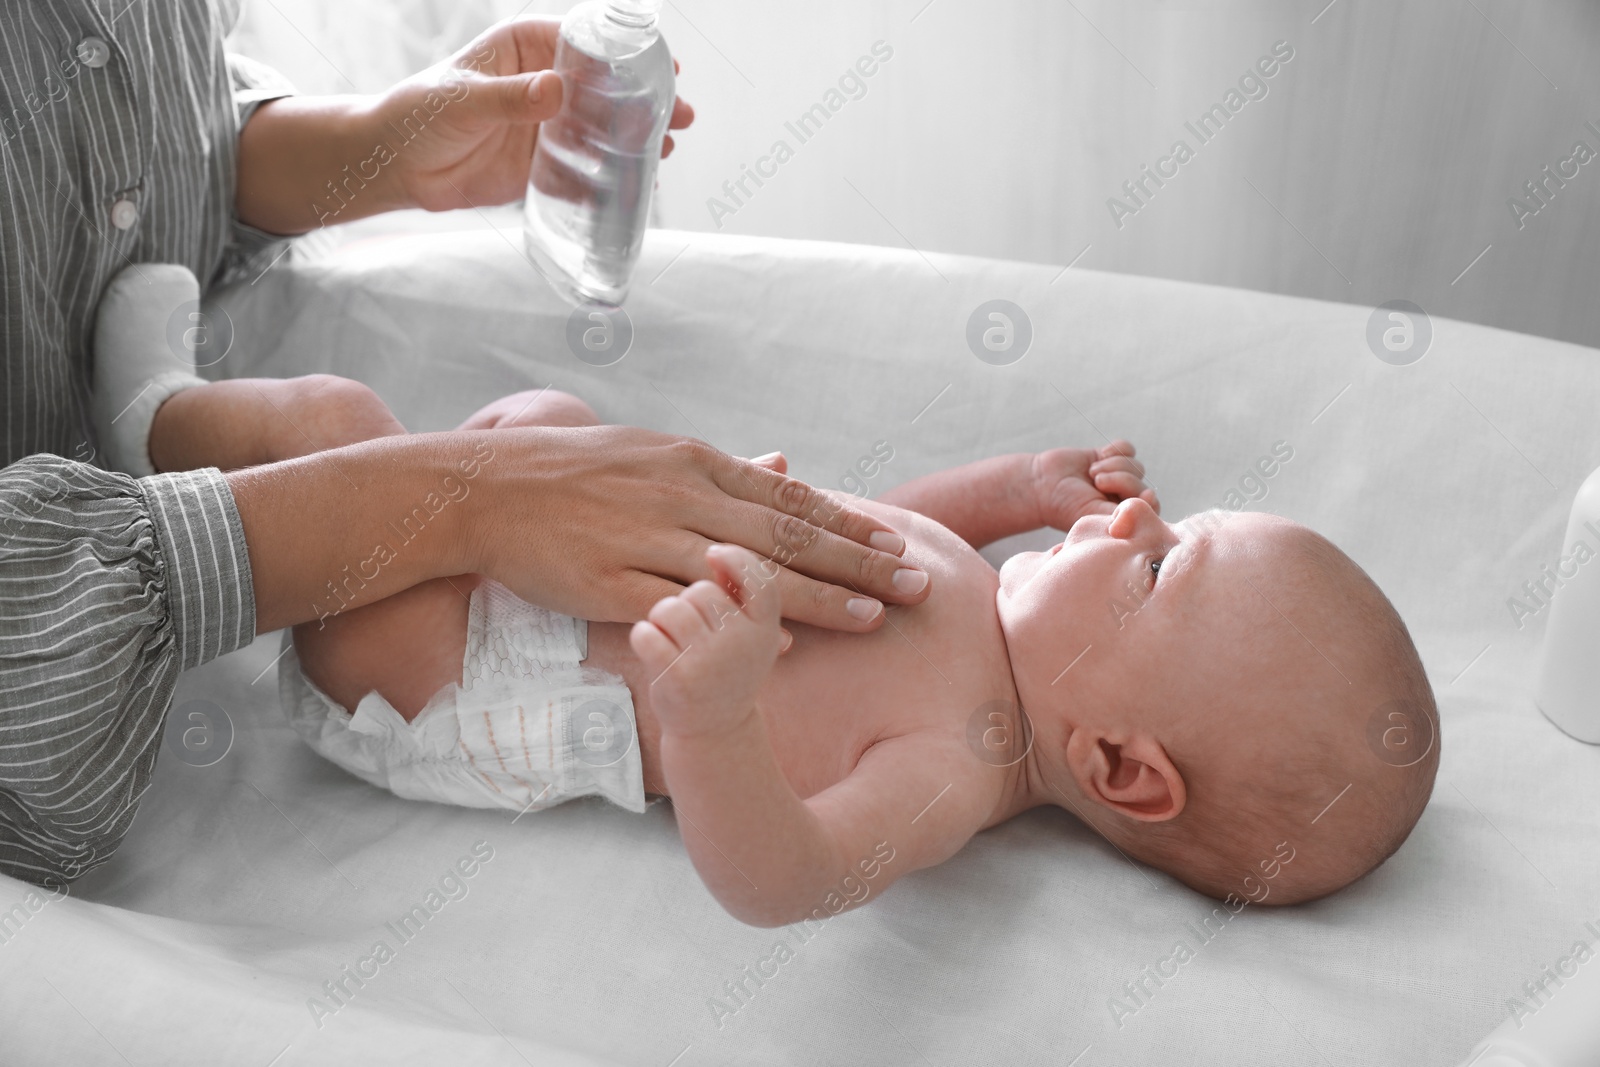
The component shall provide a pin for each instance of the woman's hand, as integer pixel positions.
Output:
(599, 522)
(482, 107)
(602, 522)
(459, 134)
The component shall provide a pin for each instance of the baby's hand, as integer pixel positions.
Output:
(712, 646)
(1070, 483)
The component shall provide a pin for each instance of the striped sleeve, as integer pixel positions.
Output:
(109, 588)
(250, 250)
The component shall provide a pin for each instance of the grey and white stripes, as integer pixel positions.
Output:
(110, 588)
(95, 113)
(119, 128)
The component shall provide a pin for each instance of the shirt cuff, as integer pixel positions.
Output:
(210, 596)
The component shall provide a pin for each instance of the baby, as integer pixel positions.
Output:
(1228, 698)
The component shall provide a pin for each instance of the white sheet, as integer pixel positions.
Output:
(588, 937)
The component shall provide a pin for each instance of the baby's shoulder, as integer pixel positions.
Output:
(933, 546)
(958, 626)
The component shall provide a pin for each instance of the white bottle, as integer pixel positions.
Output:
(1568, 690)
(594, 165)
(1559, 1028)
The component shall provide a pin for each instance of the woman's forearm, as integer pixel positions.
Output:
(335, 530)
(310, 161)
(597, 522)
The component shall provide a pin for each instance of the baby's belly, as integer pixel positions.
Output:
(832, 696)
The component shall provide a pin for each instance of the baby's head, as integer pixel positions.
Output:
(1218, 694)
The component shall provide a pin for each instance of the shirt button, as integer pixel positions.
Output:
(93, 52)
(124, 214)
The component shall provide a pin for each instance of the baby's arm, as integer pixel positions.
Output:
(768, 856)
(994, 498)
(249, 421)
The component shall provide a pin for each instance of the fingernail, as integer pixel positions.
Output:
(862, 608)
(910, 582)
(788, 639)
(885, 541)
(768, 458)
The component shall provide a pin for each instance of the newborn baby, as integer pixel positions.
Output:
(1199, 693)
(1205, 695)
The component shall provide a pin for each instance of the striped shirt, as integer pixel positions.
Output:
(119, 126)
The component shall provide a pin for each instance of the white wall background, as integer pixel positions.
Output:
(1378, 166)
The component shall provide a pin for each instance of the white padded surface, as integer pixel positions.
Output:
(588, 937)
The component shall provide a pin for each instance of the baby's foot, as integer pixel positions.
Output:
(710, 648)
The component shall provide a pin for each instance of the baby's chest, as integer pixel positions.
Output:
(835, 695)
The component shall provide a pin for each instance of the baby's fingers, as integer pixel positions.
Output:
(652, 645)
(1117, 463)
(1119, 484)
(738, 571)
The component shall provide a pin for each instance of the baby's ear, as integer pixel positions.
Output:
(1131, 775)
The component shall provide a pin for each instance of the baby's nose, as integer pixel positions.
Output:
(1132, 517)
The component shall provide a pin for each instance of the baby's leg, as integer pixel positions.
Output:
(409, 646)
(152, 413)
(249, 421)
(535, 407)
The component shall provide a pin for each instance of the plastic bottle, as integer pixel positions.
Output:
(1568, 689)
(594, 166)
(1559, 1028)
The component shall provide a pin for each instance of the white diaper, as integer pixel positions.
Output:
(528, 727)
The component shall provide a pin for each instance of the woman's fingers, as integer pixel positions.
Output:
(639, 593)
(523, 44)
(824, 579)
(741, 479)
(840, 560)
(603, 522)
(803, 599)
(518, 98)
(682, 114)
(817, 603)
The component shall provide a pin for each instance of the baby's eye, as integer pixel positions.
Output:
(1155, 568)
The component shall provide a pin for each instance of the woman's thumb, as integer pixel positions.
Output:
(532, 97)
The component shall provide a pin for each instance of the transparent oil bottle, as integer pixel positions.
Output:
(594, 166)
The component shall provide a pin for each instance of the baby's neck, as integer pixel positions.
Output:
(1027, 787)
(1037, 779)
(1029, 780)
